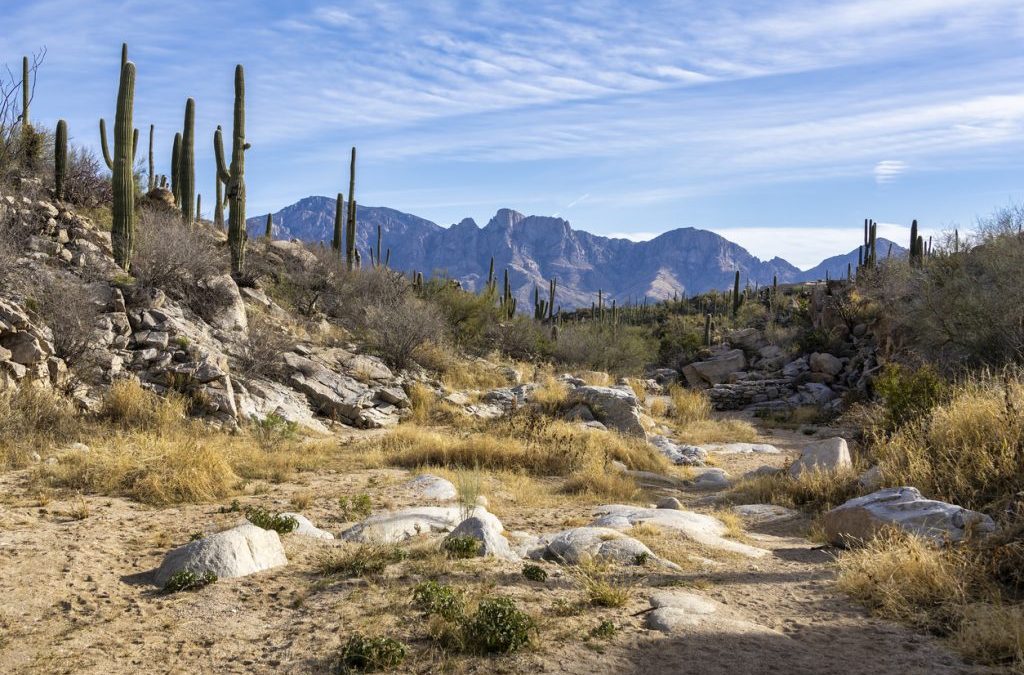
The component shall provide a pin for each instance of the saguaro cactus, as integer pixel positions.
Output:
(269, 234)
(218, 208)
(707, 330)
(350, 227)
(60, 159)
(551, 297)
(736, 294)
(176, 168)
(26, 97)
(234, 178)
(152, 175)
(122, 233)
(187, 157)
(339, 219)
(199, 208)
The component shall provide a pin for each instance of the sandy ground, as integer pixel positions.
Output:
(76, 597)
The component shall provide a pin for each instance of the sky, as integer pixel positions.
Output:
(780, 124)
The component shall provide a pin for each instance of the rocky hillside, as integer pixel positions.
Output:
(537, 248)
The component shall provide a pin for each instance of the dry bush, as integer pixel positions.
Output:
(968, 451)
(689, 405)
(812, 491)
(396, 332)
(595, 479)
(429, 408)
(621, 349)
(71, 311)
(174, 258)
(992, 632)
(86, 184)
(263, 347)
(129, 406)
(725, 430)
(551, 394)
(33, 418)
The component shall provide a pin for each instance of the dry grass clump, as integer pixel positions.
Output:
(129, 406)
(944, 590)
(33, 418)
(811, 491)
(600, 587)
(968, 451)
(429, 408)
(689, 405)
(690, 412)
(551, 394)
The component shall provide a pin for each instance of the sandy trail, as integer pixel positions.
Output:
(76, 598)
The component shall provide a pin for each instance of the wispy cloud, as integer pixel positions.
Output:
(888, 170)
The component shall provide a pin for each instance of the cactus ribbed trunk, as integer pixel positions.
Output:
(339, 223)
(269, 234)
(199, 208)
(122, 232)
(187, 157)
(176, 168)
(152, 176)
(26, 97)
(218, 208)
(234, 178)
(60, 159)
(707, 330)
(736, 294)
(350, 226)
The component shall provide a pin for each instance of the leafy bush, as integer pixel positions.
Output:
(909, 394)
(535, 573)
(187, 580)
(461, 547)
(431, 597)
(273, 430)
(622, 349)
(497, 627)
(370, 654)
(260, 517)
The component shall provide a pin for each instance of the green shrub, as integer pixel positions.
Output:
(187, 580)
(909, 394)
(498, 627)
(273, 430)
(260, 517)
(355, 508)
(604, 630)
(461, 547)
(431, 597)
(535, 573)
(370, 654)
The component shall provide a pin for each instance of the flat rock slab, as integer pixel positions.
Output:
(741, 448)
(240, 551)
(306, 527)
(433, 487)
(701, 528)
(680, 612)
(679, 454)
(598, 543)
(859, 519)
(712, 479)
(765, 513)
(397, 526)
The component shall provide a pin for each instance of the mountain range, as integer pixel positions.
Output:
(536, 248)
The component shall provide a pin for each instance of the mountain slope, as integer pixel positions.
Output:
(537, 248)
(836, 266)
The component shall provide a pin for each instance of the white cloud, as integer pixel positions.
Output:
(887, 170)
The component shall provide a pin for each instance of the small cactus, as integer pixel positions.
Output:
(736, 294)
(60, 159)
(270, 227)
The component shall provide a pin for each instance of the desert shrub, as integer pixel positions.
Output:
(519, 338)
(33, 418)
(370, 654)
(812, 491)
(187, 580)
(179, 260)
(71, 310)
(129, 406)
(396, 331)
(355, 508)
(263, 347)
(364, 560)
(620, 349)
(680, 340)
(535, 573)
(431, 597)
(86, 184)
(461, 547)
(909, 394)
(273, 431)
(468, 315)
(600, 588)
(260, 517)
(968, 450)
(605, 630)
(497, 627)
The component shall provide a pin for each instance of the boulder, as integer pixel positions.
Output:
(397, 526)
(903, 507)
(306, 527)
(25, 348)
(675, 609)
(333, 394)
(570, 547)
(227, 310)
(741, 448)
(749, 339)
(763, 514)
(670, 503)
(830, 455)
(488, 531)
(616, 408)
(699, 527)
(682, 455)
(433, 488)
(712, 479)
(717, 369)
(825, 363)
(242, 550)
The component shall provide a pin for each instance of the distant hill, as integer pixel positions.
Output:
(836, 266)
(536, 248)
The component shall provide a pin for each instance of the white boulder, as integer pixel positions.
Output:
(306, 527)
(433, 487)
(699, 527)
(829, 455)
(242, 550)
(397, 526)
(489, 532)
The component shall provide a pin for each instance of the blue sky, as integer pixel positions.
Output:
(780, 124)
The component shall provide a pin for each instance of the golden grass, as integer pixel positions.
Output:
(33, 418)
(810, 491)
(427, 407)
(638, 387)
(733, 523)
(551, 395)
(600, 587)
(595, 378)
(658, 407)
(969, 451)
(717, 431)
(689, 405)
(129, 406)
(992, 632)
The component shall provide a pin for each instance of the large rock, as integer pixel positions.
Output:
(488, 531)
(715, 370)
(25, 348)
(433, 488)
(571, 547)
(825, 363)
(617, 408)
(237, 552)
(227, 311)
(397, 526)
(741, 448)
(673, 610)
(903, 507)
(306, 527)
(829, 455)
(701, 528)
(683, 455)
(333, 394)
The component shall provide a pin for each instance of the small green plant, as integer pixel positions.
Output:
(604, 630)
(233, 508)
(365, 560)
(497, 627)
(431, 597)
(260, 517)
(355, 508)
(187, 580)
(461, 547)
(562, 607)
(195, 536)
(642, 558)
(535, 573)
(273, 430)
(370, 654)
(182, 341)
(909, 394)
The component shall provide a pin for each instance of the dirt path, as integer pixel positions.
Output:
(76, 598)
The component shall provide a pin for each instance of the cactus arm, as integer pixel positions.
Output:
(218, 151)
(103, 144)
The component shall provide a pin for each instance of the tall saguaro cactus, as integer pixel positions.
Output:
(350, 226)
(60, 159)
(187, 159)
(176, 168)
(152, 175)
(339, 223)
(122, 233)
(234, 177)
(218, 208)
(269, 234)
(26, 97)
(736, 294)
